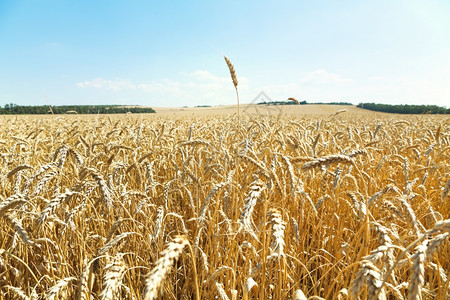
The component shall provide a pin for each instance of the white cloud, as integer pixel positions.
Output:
(203, 87)
(282, 88)
(160, 86)
(202, 75)
(432, 88)
(322, 77)
(198, 87)
(315, 86)
(114, 85)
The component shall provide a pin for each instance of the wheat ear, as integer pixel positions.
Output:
(327, 160)
(278, 227)
(235, 82)
(368, 273)
(299, 295)
(113, 278)
(418, 272)
(57, 291)
(163, 266)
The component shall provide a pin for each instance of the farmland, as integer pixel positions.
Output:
(288, 203)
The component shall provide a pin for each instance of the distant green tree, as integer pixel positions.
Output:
(80, 109)
(405, 108)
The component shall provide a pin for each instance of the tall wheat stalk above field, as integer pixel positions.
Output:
(235, 81)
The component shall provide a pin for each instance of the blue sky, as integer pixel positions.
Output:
(170, 53)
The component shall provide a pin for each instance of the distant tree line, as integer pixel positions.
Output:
(405, 108)
(13, 109)
(290, 102)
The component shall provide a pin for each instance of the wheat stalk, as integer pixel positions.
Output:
(235, 83)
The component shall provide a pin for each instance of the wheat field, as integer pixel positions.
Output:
(336, 206)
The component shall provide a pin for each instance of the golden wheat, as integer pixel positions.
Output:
(274, 207)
